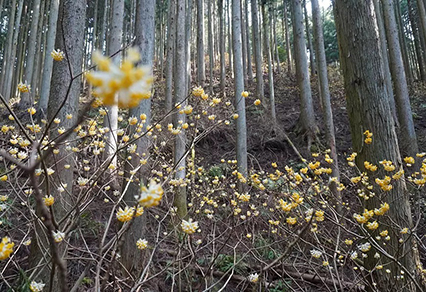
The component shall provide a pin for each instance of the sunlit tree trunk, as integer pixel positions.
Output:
(244, 42)
(249, 61)
(180, 79)
(407, 135)
(368, 109)
(239, 88)
(273, 12)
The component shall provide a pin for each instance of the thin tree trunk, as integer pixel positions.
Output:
(211, 44)
(384, 53)
(407, 134)
(403, 43)
(287, 38)
(244, 42)
(180, 79)
(326, 103)
(239, 88)
(201, 67)
(48, 60)
(27, 98)
(257, 51)
(307, 116)
(222, 46)
(249, 61)
(188, 44)
(270, 71)
(273, 12)
(8, 61)
(230, 50)
(309, 38)
(171, 40)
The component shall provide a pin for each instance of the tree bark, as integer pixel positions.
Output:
(307, 116)
(180, 78)
(309, 39)
(221, 45)
(48, 60)
(368, 109)
(211, 44)
(26, 98)
(287, 37)
(171, 40)
(201, 70)
(239, 88)
(249, 61)
(270, 70)
(407, 135)
(132, 258)
(257, 50)
(8, 61)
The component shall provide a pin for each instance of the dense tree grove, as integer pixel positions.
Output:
(224, 145)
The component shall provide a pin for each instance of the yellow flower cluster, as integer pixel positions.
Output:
(22, 87)
(409, 160)
(368, 137)
(128, 212)
(382, 210)
(36, 287)
(141, 244)
(125, 85)
(189, 227)
(387, 165)
(57, 55)
(369, 166)
(151, 196)
(58, 236)
(384, 183)
(6, 248)
(49, 200)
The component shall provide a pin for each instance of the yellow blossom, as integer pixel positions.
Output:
(57, 55)
(189, 227)
(151, 196)
(6, 248)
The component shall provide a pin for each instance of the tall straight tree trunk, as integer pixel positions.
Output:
(407, 135)
(287, 37)
(48, 60)
(384, 53)
(273, 12)
(171, 33)
(113, 46)
(230, 50)
(188, 34)
(239, 88)
(270, 70)
(8, 61)
(27, 98)
(309, 38)
(201, 68)
(368, 109)
(249, 61)
(132, 258)
(40, 49)
(180, 78)
(325, 94)
(221, 45)
(403, 42)
(211, 44)
(307, 116)
(244, 42)
(257, 50)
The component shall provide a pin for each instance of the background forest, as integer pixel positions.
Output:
(227, 145)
